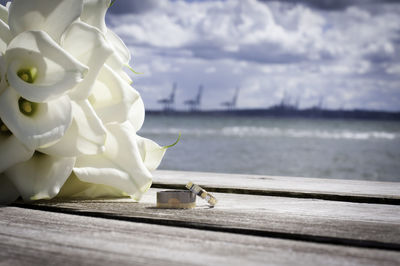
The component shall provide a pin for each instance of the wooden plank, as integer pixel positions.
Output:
(358, 224)
(329, 189)
(32, 237)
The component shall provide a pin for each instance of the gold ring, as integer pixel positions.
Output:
(199, 191)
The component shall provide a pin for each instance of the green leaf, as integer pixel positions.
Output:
(173, 144)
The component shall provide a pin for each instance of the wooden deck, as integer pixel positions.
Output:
(259, 220)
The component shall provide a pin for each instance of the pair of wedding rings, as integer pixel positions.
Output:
(184, 199)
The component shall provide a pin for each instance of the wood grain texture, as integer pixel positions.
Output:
(357, 224)
(32, 237)
(328, 189)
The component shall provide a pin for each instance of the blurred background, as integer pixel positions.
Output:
(292, 87)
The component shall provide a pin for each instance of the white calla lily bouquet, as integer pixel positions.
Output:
(68, 113)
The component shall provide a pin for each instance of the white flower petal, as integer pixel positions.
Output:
(112, 98)
(121, 56)
(86, 135)
(13, 151)
(136, 114)
(121, 166)
(51, 16)
(98, 169)
(151, 153)
(41, 177)
(89, 46)
(56, 72)
(124, 75)
(3, 80)
(47, 123)
(8, 192)
(94, 12)
(4, 14)
(5, 36)
(77, 189)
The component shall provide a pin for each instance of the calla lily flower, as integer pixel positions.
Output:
(5, 36)
(68, 115)
(39, 69)
(35, 124)
(41, 177)
(121, 165)
(74, 188)
(88, 45)
(16, 151)
(94, 12)
(116, 101)
(86, 135)
(121, 56)
(4, 13)
(51, 16)
(151, 153)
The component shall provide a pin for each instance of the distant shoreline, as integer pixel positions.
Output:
(276, 112)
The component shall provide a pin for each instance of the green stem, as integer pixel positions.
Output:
(131, 69)
(173, 144)
(112, 2)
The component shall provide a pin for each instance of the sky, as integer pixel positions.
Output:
(345, 53)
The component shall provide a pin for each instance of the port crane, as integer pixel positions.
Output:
(194, 104)
(168, 103)
(230, 105)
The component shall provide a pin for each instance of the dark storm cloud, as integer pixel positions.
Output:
(334, 5)
(132, 6)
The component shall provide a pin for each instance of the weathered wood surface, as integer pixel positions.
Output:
(32, 237)
(359, 224)
(330, 189)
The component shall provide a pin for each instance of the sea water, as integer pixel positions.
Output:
(322, 148)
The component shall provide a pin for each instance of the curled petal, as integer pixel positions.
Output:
(13, 151)
(94, 12)
(112, 98)
(121, 166)
(8, 192)
(4, 13)
(136, 114)
(3, 80)
(5, 36)
(124, 76)
(51, 16)
(121, 54)
(41, 177)
(120, 57)
(44, 123)
(89, 46)
(39, 69)
(77, 189)
(151, 153)
(86, 135)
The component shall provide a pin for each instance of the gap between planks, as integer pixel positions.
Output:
(321, 239)
(289, 194)
(358, 191)
(31, 237)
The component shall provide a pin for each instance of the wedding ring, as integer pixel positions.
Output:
(176, 199)
(199, 191)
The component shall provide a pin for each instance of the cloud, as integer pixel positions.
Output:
(267, 48)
